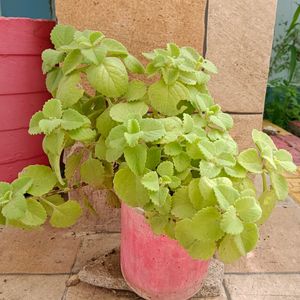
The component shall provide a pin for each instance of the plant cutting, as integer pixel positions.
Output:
(162, 148)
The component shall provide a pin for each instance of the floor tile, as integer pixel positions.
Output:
(84, 291)
(263, 287)
(32, 287)
(94, 246)
(221, 297)
(43, 251)
(278, 248)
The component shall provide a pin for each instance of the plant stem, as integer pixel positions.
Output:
(264, 180)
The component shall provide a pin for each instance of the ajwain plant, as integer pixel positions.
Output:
(162, 146)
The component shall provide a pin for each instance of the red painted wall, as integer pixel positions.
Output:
(22, 92)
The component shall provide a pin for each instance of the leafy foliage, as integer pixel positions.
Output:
(163, 147)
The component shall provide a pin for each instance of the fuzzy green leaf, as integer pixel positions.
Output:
(72, 164)
(35, 213)
(226, 195)
(153, 157)
(150, 181)
(114, 47)
(69, 90)
(230, 222)
(173, 149)
(181, 205)
(267, 201)
(92, 172)
(21, 185)
(72, 119)
(15, 208)
(165, 168)
(236, 171)
(280, 185)
(72, 61)
(152, 129)
(202, 250)
(43, 179)
(105, 123)
(52, 109)
(34, 127)
(250, 160)
(136, 90)
(121, 112)
(51, 58)
(129, 188)
(248, 209)
(82, 134)
(136, 158)
(181, 162)
(209, 169)
(110, 78)
(66, 214)
(165, 98)
(184, 234)
(133, 64)
(62, 35)
(206, 224)
(285, 160)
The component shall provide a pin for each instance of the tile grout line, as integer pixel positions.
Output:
(63, 297)
(262, 273)
(227, 293)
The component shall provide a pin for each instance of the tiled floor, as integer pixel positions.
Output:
(36, 265)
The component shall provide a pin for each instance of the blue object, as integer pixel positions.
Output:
(35, 9)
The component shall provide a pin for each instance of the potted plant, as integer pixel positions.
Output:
(162, 148)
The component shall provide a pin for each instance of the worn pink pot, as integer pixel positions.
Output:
(156, 267)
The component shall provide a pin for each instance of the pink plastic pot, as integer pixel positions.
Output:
(156, 267)
(22, 92)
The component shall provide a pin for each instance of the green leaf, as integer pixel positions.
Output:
(208, 149)
(72, 61)
(181, 162)
(209, 169)
(133, 64)
(34, 127)
(195, 194)
(285, 160)
(52, 109)
(55, 200)
(53, 79)
(206, 224)
(66, 214)
(69, 89)
(209, 66)
(114, 48)
(136, 90)
(158, 223)
(165, 168)
(236, 171)
(170, 75)
(280, 185)
(82, 134)
(173, 128)
(72, 119)
(121, 112)
(109, 78)
(43, 179)
(267, 201)
(226, 195)
(159, 197)
(202, 250)
(100, 149)
(226, 160)
(165, 98)
(173, 149)
(53, 146)
(15, 208)
(230, 223)
(129, 188)
(248, 209)
(116, 138)
(184, 233)
(250, 160)
(94, 55)
(181, 205)
(153, 157)
(72, 164)
(51, 58)
(150, 181)
(105, 123)
(47, 126)
(188, 123)
(136, 158)
(232, 247)
(62, 35)
(35, 213)
(21, 185)
(92, 172)
(152, 129)
(261, 139)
